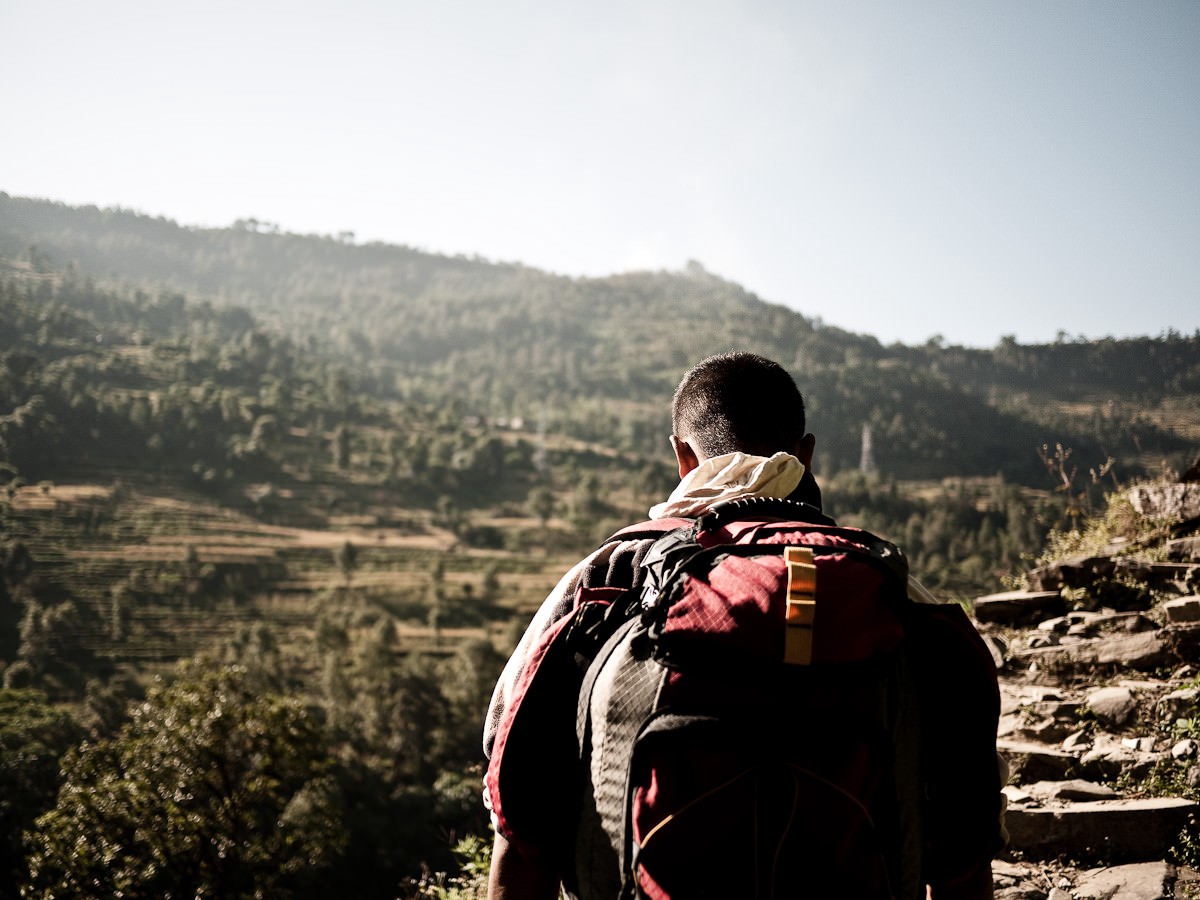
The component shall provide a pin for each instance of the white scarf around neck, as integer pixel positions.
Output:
(730, 477)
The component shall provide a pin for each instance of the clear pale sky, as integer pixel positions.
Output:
(902, 169)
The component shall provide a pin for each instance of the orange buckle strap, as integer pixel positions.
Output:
(801, 606)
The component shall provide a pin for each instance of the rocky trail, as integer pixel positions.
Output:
(1099, 664)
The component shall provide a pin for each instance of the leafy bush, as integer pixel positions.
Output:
(211, 789)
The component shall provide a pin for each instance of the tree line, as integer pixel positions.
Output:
(514, 343)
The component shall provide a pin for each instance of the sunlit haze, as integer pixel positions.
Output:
(904, 170)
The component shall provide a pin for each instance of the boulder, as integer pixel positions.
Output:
(1185, 749)
(1113, 706)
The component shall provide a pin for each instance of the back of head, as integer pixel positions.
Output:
(738, 402)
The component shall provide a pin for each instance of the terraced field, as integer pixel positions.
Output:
(156, 578)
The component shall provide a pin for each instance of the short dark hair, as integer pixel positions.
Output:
(738, 402)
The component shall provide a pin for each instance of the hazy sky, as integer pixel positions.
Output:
(903, 169)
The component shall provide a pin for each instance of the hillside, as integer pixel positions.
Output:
(505, 408)
(334, 480)
(594, 358)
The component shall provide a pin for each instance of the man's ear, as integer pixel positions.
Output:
(804, 450)
(684, 455)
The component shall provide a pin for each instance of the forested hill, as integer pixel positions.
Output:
(595, 359)
(338, 478)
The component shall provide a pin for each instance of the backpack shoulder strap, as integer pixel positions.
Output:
(650, 528)
(623, 568)
(777, 508)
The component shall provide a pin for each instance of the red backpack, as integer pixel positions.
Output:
(745, 719)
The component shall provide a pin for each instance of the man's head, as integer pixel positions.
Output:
(738, 402)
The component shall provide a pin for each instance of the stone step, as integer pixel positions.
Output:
(1161, 574)
(1136, 881)
(1145, 651)
(1019, 607)
(1135, 830)
(1157, 880)
(1073, 572)
(1029, 762)
(1183, 609)
(1186, 549)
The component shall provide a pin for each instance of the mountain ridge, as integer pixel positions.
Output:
(510, 341)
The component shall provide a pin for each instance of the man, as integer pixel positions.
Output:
(739, 432)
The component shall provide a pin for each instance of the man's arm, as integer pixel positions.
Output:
(558, 603)
(520, 873)
(963, 827)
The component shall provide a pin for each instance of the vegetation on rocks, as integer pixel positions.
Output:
(1102, 696)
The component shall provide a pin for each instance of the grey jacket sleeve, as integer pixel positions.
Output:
(558, 603)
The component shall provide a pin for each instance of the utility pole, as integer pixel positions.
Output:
(866, 463)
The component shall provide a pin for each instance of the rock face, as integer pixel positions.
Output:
(1099, 703)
